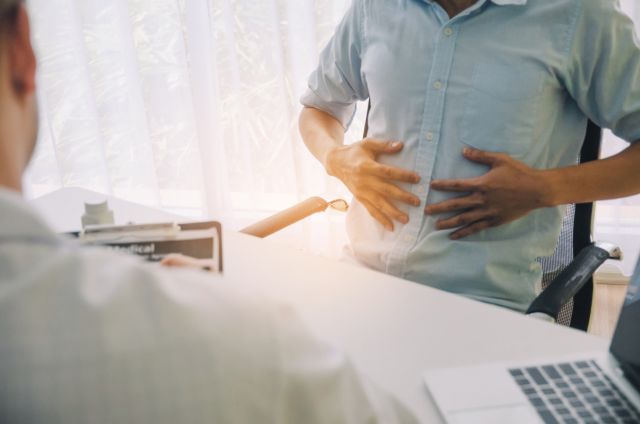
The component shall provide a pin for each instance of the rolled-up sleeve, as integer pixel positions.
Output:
(337, 83)
(604, 67)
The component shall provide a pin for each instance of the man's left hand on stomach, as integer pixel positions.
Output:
(508, 191)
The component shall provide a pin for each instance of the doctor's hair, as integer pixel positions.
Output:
(8, 16)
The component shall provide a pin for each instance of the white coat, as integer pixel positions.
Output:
(88, 336)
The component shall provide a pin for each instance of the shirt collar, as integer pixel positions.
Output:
(18, 219)
(497, 2)
(510, 2)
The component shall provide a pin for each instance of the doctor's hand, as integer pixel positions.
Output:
(371, 182)
(509, 191)
(182, 261)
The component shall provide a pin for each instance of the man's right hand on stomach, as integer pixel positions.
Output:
(371, 182)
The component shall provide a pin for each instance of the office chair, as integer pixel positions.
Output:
(567, 286)
(575, 256)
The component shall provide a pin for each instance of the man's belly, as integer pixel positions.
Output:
(496, 266)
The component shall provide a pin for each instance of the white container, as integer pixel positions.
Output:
(97, 214)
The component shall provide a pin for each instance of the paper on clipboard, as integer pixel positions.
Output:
(153, 242)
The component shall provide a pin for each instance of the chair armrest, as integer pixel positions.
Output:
(283, 219)
(548, 304)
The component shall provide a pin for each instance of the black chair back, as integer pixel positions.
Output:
(579, 223)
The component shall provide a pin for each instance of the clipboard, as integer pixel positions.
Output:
(153, 242)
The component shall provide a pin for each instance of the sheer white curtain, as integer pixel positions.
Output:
(191, 106)
(187, 105)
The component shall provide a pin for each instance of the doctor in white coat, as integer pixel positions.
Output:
(87, 336)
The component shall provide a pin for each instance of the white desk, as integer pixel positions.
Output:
(393, 329)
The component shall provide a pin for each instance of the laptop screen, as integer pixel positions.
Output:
(626, 341)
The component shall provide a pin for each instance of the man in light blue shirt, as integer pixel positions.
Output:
(478, 113)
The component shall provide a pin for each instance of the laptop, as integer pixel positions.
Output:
(598, 388)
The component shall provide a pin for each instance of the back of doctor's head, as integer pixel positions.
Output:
(18, 108)
(6, 5)
(9, 11)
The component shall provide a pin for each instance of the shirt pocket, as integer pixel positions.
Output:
(499, 112)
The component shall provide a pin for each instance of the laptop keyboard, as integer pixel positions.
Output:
(574, 393)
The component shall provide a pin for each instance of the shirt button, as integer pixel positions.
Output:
(448, 32)
(408, 239)
(430, 136)
(437, 85)
(421, 189)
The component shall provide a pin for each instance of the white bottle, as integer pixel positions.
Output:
(97, 214)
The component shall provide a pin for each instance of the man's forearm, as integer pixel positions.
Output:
(611, 178)
(321, 133)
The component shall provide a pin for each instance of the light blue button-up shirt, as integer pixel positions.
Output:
(512, 76)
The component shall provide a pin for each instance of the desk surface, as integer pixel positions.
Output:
(393, 330)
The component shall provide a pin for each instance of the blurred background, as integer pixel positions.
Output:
(191, 106)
